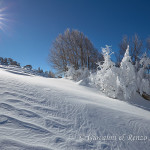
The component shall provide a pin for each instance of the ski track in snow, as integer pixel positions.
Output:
(38, 113)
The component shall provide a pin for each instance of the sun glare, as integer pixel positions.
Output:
(3, 19)
(4, 15)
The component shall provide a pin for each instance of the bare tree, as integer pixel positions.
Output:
(75, 49)
(136, 48)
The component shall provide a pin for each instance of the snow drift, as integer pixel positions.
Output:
(38, 113)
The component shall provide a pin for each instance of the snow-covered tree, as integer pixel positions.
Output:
(106, 75)
(127, 76)
(116, 82)
(143, 83)
(120, 82)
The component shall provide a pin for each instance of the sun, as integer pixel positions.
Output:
(3, 19)
(4, 15)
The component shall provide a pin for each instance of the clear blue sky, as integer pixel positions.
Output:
(33, 25)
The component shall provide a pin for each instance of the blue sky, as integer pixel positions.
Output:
(33, 25)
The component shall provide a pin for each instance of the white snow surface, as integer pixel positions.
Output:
(38, 113)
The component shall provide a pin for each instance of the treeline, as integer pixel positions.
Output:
(10, 61)
(46, 73)
(74, 49)
(40, 71)
(73, 54)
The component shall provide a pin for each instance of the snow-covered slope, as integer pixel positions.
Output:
(38, 113)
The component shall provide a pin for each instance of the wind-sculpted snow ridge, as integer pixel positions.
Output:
(38, 113)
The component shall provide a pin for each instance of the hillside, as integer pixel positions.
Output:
(38, 113)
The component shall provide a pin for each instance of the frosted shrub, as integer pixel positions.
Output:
(76, 75)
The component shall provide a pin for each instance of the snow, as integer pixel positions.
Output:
(38, 113)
